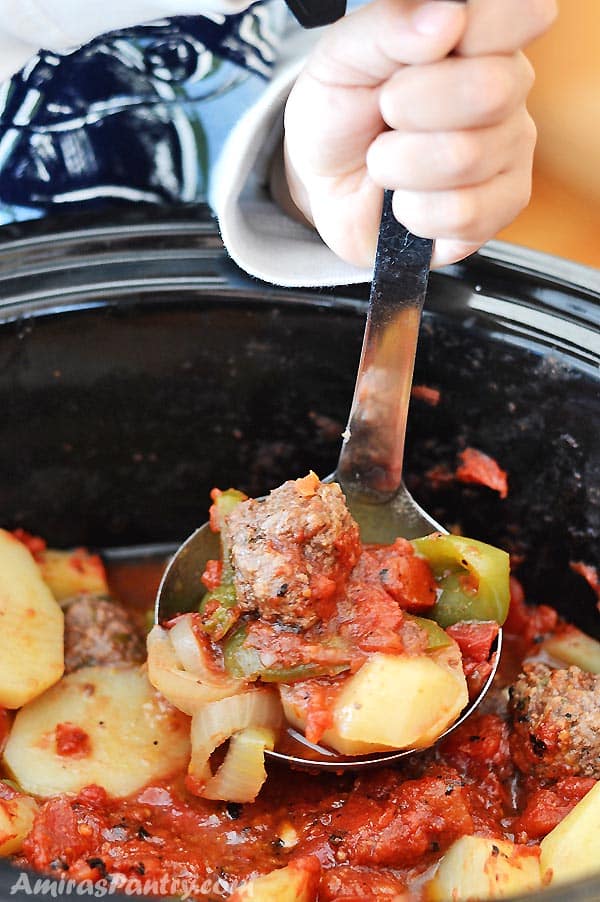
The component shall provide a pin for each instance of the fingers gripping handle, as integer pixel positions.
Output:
(315, 13)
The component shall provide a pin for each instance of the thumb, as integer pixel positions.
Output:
(368, 46)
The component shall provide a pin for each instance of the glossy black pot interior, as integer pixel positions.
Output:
(138, 368)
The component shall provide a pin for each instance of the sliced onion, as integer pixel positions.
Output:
(192, 656)
(220, 720)
(184, 690)
(240, 777)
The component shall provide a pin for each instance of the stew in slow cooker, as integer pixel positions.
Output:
(143, 770)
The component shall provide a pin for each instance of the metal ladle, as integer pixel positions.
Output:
(369, 468)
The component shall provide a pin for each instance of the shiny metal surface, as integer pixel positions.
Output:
(369, 468)
(370, 465)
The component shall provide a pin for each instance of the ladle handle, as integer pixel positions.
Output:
(370, 463)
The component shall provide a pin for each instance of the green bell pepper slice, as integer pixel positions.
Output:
(436, 636)
(220, 608)
(244, 663)
(473, 578)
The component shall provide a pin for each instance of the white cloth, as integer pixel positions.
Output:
(259, 236)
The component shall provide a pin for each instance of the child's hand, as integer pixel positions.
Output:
(380, 104)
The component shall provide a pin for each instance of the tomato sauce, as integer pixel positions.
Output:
(71, 741)
(376, 835)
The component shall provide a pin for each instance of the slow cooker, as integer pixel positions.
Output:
(139, 367)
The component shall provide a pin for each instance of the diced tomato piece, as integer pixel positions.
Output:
(72, 741)
(439, 476)
(35, 544)
(59, 835)
(528, 621)
(315, 699)
(477, 676)
(480, 468)
(94, 796)
(590, 575)
(212, 575)
(213, 511)
(404, 575)
(475, 639)
(319, 712)
(424, 815)
(548, 806)
(425, 393)
(483, 740)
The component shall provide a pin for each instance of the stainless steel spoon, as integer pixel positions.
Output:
(369, 468)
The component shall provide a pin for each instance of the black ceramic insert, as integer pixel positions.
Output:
(138, 368)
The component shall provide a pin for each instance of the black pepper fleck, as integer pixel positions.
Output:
(234, 810)
(538, 745)
(98, 865)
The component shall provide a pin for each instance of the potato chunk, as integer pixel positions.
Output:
(31, 627)
(574, 647)
(295, 700)
(298, 882)
(16, 820)
(102, 725)
(401, 701)
(75, 572)
(476, 867)
(392, 702)
(571, 851)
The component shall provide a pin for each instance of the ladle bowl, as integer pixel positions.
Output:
(370, 464)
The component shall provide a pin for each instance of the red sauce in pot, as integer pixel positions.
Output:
(376, 835)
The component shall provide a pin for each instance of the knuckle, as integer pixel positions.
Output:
(462, 154)
(528, 72)
(465, 215)
(523, 192)
(375, 160)
(542, 13)
(495, 89)
(530, 132)
(388, 104)
(393, 97)
(523, 138)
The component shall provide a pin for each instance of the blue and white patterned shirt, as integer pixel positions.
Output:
(137, 115)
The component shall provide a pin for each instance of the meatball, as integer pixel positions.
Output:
(293, 551)
(100, 631)
(556, 722)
